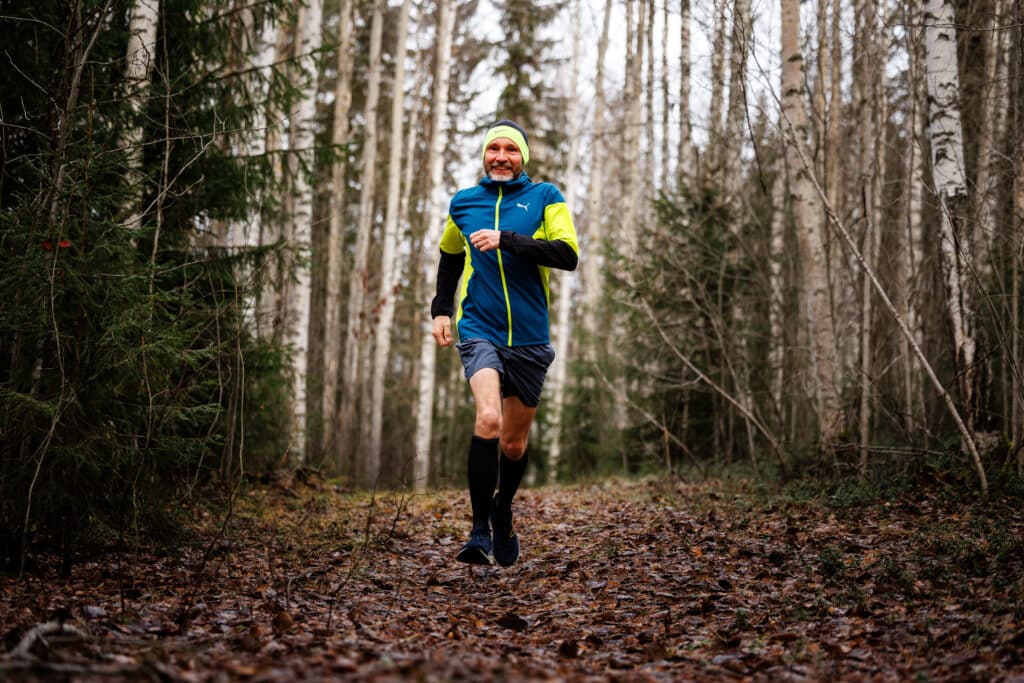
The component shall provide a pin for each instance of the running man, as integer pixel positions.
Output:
(506, 232)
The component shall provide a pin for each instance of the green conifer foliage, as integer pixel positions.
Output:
(524, 65)
(127, 373)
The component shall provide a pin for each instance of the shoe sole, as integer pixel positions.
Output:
(473, 556)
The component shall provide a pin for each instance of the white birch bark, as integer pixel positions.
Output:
(666, 161)
(985, 194)
(872, 126)
(631, 138)
(301, 163)
(594, 233)
(352, 435)
(390, 271)
(269, 305)
(909, 247)
(731, 147)
(735, 118)
(684, 157)
(626, 234)
(805, 217)
(946, 136)
(563, 303)
(333, 328)
(777, 245)
(142, 25)
(432, 237)
(717, 75)
(649, 169)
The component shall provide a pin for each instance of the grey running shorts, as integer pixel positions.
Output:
(521, 368)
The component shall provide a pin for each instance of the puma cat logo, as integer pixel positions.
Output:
(524, 207)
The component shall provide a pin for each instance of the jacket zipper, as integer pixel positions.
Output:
(501, 268)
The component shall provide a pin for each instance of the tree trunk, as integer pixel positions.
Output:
(777, 340)
(631, 139)
(564, 301)
(873, 114)
(301, 163)
(684, 161)
(432, 236)
(145, 14)
(649, 169)
(663, 171)
(909, 243)
(351, 433)
(714, 122)
(732, 180)
(735, 118)
(1016, 244)
(333, 327)
(805, 217)
(627, 233)
(269, 305)
(594, 233)
(946, 138)
(390, 271)
(985, 193)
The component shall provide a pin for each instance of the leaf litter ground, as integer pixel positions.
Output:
(628, 581)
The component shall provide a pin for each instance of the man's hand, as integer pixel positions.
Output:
(443, 330)
(485, 240)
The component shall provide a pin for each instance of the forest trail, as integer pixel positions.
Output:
(631, 581)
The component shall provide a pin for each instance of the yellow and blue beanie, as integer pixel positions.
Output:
(511, 130)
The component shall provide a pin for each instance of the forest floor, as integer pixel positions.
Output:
(629, 581)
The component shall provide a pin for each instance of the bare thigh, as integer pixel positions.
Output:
(486, 387)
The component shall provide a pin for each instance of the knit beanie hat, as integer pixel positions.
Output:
(511, 130)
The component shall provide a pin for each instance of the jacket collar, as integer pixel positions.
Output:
(507, 185)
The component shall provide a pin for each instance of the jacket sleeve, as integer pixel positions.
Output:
(555, 245)
(449, 270)
(554, 254)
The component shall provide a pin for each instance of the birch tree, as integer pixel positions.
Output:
(300, 163)
(564, 301)
(805, 209)
(1016, 244)
(353, 380)
(138, 63)
(684, 157)
(735, 118)
(991, 109)
(431, 238)
(664, 171)
(946, 138)
(872, 112)
(389, 267)
(338, 206)
(909, 238)
(592, 265)
(717, 75)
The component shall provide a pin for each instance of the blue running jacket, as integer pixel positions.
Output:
(505, 294)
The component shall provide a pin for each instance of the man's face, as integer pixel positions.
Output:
(502, 160)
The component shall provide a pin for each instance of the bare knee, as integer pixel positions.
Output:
(513, 448)
(488, 423)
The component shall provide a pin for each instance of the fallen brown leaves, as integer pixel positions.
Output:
(626, 581)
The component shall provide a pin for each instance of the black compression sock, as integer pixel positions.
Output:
(511, 474)
(482, 468)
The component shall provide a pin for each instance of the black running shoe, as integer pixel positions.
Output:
(477, 548)
(506, 541)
